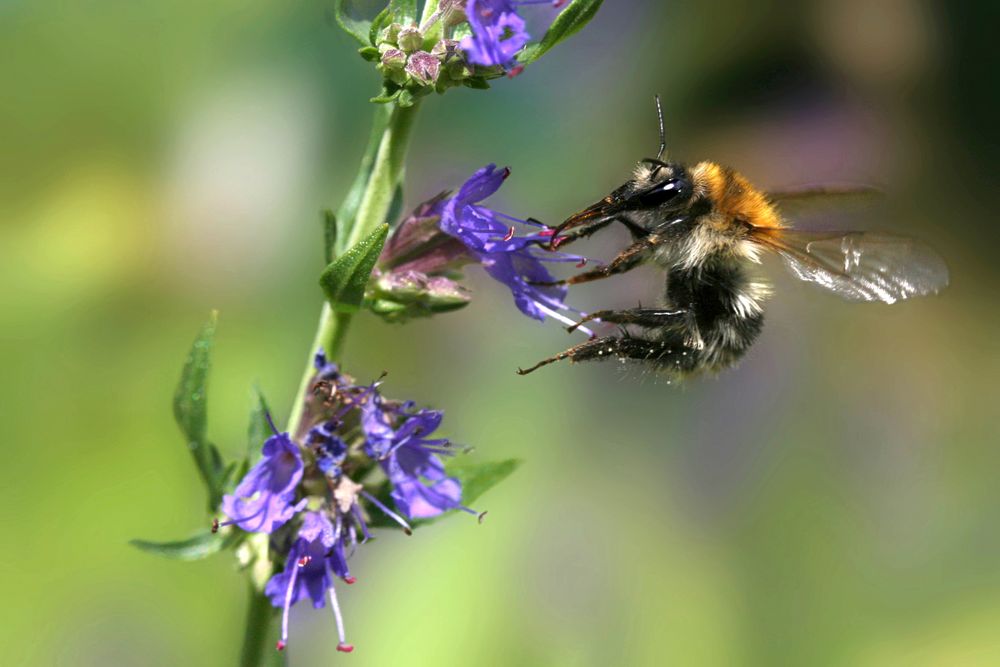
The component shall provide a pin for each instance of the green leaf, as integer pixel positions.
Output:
(329, 235)
(234, 471)
(404, 12)
(347, 17)
(386, 96)
(381, 20)
(405, 98)
(191, 415)
(478, 478)
(570, 20)
(345, 279)
(200, 546)
(369, 53)
(259, 428)
(476, 82)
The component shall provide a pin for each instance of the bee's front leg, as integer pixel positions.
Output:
(626, 260)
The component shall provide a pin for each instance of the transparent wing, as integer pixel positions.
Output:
(811, 200)
(863, 266)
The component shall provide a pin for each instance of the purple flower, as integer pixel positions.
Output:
(317, 551)
(330, 449)
(498, 32)
(263, 499)
(496, 36)
(397, 439)
(341, 436)
(510, 259)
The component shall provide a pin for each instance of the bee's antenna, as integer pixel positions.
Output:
(663, 136)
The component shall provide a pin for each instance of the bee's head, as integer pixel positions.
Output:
(657, 192)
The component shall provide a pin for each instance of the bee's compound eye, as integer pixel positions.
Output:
(663, 193)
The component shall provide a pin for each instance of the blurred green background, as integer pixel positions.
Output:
(833, 501)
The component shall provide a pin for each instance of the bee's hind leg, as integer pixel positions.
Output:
(644, 317)
(664, 353)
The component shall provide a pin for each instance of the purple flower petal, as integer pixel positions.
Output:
(308, 556)
(399, 439)
(498, 33)
(507, 257)
(263, 499)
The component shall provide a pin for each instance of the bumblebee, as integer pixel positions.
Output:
(705, 225)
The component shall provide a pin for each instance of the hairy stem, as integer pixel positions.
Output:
(386, 171)
(259, 637)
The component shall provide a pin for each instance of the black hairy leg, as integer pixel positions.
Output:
(644, 317)
(665, 353)
(626, 260)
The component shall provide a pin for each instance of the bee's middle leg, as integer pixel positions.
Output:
(621, 347)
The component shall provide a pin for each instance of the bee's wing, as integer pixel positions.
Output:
(803, 201)
(862, 266)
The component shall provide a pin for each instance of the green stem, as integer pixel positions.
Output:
(259, 636)
(430, 7)
(386, 173)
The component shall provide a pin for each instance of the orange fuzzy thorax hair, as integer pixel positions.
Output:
(733, 196)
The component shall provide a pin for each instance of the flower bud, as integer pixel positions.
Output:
(394, 59)
(390, 35)
(403, 295)
(459, 70)
(445, 49)
(418, 243)
(423, 67)
(410, 39)
(452, 12)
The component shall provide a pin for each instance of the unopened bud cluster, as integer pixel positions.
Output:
(415, 60)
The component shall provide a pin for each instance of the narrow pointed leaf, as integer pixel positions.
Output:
(190, 411)
(381, 20)
(570, 20)
(345, 279)
(258, 429)
(200, 546)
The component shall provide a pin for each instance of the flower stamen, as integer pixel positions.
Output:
(343, 646)
(388, 512)
(288, 604)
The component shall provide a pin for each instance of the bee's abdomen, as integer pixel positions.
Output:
(725, 309)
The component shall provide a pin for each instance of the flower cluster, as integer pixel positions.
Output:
(414, 59)
(451, 230)
(462, 43)
(317, 492)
